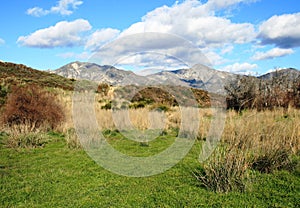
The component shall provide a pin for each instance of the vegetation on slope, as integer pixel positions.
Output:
(16, 74)
(162, 97)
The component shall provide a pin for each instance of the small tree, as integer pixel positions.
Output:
(242, 93)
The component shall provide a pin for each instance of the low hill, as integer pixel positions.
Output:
(166, 95)
(14, 74)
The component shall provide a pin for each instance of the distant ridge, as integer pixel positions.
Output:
(291, 73)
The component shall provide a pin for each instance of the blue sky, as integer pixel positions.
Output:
(241, 36)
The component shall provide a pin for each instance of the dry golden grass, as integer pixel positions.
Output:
(279, 128)
(257, 130)
(65, 98)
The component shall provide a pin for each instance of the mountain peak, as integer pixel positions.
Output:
(94, 72)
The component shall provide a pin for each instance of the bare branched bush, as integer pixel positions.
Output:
(32, 107)
(241, 93)
(251, 92)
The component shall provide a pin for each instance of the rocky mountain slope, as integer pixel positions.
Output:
(199, 76)
(94, 72)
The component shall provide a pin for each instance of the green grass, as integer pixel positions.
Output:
(56, 176)
(138, 149)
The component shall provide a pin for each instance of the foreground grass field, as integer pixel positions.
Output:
(57, 176)
(42, 163)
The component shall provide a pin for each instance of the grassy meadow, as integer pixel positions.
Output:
(256, 163)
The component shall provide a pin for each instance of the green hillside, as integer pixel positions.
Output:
(15, 74)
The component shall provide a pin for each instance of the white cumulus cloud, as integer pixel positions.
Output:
(101, 37)
(138, 48)
(190, 20)
(63, 34)
(195, 22)
(273, 53)
(190, 24)
(63, 7)
(282, 31)
(241, 68)
(214, 5)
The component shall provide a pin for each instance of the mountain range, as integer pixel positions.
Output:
(199, 76)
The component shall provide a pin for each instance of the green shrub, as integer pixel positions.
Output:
(112, 133)
(140, 104)
(124, 105)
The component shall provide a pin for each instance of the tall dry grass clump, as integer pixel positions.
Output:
(224, 171)
(67, 127)
(263, 141)
(17, 139)
(271, 136)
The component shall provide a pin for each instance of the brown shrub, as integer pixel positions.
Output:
(103, 88)
(31, 106)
